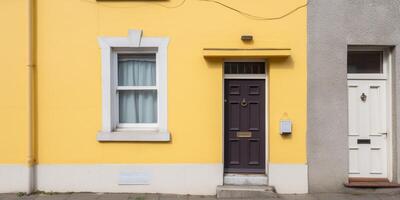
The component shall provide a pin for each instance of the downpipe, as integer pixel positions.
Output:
(30, 67)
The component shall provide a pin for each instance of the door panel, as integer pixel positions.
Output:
(244, 126)
(367, 128)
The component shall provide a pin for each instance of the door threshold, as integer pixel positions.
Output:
(370, 183)
(245, 179)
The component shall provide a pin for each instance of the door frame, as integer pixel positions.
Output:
(248, 76)
(386, 75)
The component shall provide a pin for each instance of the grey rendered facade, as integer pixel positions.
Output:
(332, 27)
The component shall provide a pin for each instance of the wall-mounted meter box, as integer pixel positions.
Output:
(285, 127)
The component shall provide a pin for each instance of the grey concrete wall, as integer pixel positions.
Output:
(332, 26)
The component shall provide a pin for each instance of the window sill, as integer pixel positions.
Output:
(134, 136)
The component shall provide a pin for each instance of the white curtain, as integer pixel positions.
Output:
(137, 106)
(136, 72)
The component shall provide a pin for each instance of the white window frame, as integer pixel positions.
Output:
(385, 63)
(115, 88)
(134, 43)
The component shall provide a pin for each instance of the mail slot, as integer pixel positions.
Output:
(364, 141)
(243, 134)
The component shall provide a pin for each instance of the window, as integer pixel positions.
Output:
(244, 67)
(368, 62)
(134, 76)
(136, 91)
(365, 62)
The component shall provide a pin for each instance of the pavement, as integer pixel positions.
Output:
(106, 196)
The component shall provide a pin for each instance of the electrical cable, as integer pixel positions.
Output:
(123, 7)
(245, 14)
(255, 17)
(176, 6)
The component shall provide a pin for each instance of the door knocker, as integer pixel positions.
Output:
(363, 97)
(243, 103)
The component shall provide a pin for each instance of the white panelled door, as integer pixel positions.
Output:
(367, 128)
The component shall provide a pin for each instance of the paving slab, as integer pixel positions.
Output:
(17, 197)
(144, 197)
(52, 196)
(84, 196)
(363, 197)
(173, 196)
(331, 196)
(371, 190)
(202, 197)
(389, 196)
(297, 197)
(118, 196)
(108, 196)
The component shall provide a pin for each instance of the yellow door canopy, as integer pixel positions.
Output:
(246, 52)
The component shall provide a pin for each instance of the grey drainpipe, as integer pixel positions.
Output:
(30, 66)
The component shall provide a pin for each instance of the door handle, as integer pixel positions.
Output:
(363, 97)
(243, 103)
(383, 134)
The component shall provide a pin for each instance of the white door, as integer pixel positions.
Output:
(367, 128)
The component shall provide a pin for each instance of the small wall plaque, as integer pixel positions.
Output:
(134, 178)
(243, 134)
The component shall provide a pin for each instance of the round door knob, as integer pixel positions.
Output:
(363, 97)
(243, 103)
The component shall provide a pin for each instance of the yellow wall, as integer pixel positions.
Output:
(69, 78)
(13, 81)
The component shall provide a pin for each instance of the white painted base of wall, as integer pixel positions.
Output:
(289, 178)
(14, 178)
(197, 179)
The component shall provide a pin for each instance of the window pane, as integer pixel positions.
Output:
(244, 68)
(136, 70)
(364, 62)
(139, 106)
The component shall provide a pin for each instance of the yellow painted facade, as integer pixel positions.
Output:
(68, 78)
(13, 82)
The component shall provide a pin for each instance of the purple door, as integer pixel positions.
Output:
(244, 126)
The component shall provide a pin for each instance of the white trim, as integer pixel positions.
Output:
(137, 88)
(244, 76)
(14, 178)
(137, 126)
(389, 117)
(266, 120)
(289, 178)
(134, 43)
(195, 179)
(133, 136)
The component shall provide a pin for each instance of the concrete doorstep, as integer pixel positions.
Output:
(248, 191)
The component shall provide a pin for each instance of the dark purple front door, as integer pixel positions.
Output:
(244, 126)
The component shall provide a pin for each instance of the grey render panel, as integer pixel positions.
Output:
(332, 26)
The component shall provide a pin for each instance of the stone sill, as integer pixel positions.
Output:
(134, 136)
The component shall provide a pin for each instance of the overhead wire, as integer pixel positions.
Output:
(243, 13)
(251, 16)
(176, 6)
(127, 7)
